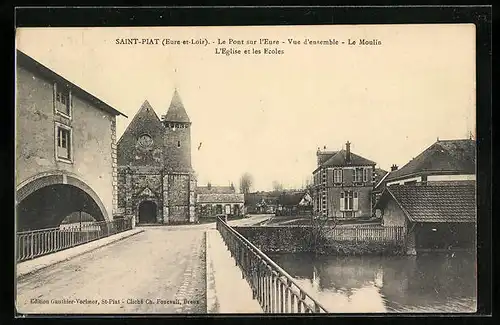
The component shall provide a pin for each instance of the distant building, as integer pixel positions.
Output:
(343, 184)
(65, 149)
(156, 182)
(294, 204)
(261, 202)
(216, 200)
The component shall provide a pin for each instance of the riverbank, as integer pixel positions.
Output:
(307, 221)
(346, 241)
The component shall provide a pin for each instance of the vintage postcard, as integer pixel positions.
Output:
(257, 169)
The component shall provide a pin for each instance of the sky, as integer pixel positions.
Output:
(266, 114)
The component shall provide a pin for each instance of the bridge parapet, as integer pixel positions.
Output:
(35, 243)
(273, 287)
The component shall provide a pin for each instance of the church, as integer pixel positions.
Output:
(156, 182)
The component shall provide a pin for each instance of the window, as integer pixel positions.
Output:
(63, 143)
(337, 176)
(62, 100)
(178, 144)
(348, 201)
(366, 175)
(357, 175)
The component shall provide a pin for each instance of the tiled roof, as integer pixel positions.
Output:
(422, 203)
(176, 112)
(442, 156)
(325, 155)
(339, 159)
(221, 198)
(215, 190)
(290, 199)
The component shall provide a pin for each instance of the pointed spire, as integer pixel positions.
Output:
(176, 111)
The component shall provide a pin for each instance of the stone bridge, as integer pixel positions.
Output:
(174, 269)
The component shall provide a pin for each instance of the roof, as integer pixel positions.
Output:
(215, 190)
(380, 174)
(437, 203)
(258, 197)
(339, 159)
(176, 112)
(144, 122)
(292, 199)
(221, 198)
(324, 155)
(35, 66)
(444, 156)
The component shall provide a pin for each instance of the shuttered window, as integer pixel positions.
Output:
(348, 201)
(337, 176)
(62, 100)
(355, 201)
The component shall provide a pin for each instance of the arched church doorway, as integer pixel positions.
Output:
(147, 212)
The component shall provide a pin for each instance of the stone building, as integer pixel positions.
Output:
(215, 200)
(65, 149)
(156, 182)
(343, 184)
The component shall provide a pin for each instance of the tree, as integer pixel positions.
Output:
(320, 233)
(246, 182)
(277, 186)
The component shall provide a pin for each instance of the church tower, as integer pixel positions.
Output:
(179, 181)
(177, 144)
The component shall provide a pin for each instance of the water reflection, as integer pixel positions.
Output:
(427, 283)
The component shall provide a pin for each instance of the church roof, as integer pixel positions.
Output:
(176, 112)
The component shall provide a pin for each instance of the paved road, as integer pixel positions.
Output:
(161, 270)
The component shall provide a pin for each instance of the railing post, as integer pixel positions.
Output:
(282, 305)
(273, 292)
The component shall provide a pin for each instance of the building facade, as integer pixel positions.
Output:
(217, 200)
(66, 158)
(343, 184)
(261, 202)
(156, 182)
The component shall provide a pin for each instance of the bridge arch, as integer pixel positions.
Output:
(46, 199)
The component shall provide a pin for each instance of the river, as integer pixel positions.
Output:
(418, 284)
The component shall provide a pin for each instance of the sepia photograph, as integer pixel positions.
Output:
(246, 169)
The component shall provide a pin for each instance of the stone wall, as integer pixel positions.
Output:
(296, 239)
(92, 139)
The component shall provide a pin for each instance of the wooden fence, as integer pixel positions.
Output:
(367, 233)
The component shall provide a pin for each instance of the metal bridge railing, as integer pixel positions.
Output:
(31, 244)
(273, 287)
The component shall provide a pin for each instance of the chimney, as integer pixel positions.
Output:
(394, 167)
(348, 151)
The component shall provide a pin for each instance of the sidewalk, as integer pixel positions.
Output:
(227, 292)
(30, 266)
